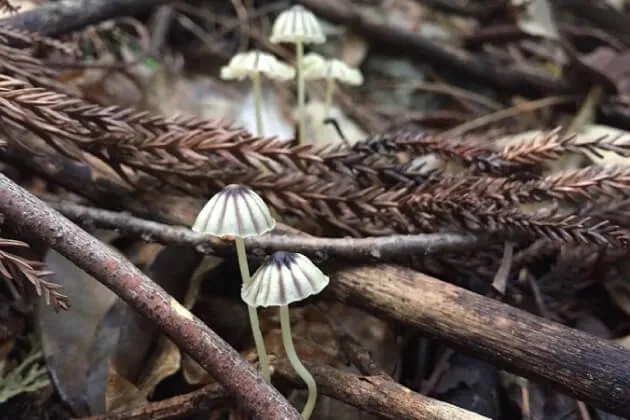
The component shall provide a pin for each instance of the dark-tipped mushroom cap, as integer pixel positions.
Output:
(297, 24)
(285, 277)
(235, 211)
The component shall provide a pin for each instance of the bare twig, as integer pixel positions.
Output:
(32, 215)
(370, 248)
(57, 18)
(376, 394)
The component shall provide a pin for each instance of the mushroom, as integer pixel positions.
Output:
(235, 213)
(299, 26)
(285, 278)
(314, 66)
(252, 64)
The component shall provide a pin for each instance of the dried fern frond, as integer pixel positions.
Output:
(471, 215)
(16, 270)
(552, 145)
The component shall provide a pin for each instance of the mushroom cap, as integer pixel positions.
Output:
(317, 67)
(235, 211)
(256, 62)
(284, 278)
(297, 24)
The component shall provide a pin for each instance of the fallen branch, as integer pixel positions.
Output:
(61, 17)
(506, 78)
(375, 394)
(588, 368)
(370, 248)
(26, 212)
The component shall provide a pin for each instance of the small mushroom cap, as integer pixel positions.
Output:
(297, 24)
(256, 62)
(235, 211)
(317, 67)
(285, 277)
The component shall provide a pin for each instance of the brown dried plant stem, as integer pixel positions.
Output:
(25, 211)
(210, 397)
(369, 248)
(588, 368)
(58, 18)
(376, 394)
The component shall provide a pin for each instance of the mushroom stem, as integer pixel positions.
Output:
(299, 48)
(258, 103)
(285, 326)
(253, 314)
(330, 89)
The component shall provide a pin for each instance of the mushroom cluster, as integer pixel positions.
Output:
(236, 213)
(296, 25)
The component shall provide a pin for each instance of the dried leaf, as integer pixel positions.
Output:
(68, 340)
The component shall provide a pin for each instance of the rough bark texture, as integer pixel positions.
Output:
(578, 364)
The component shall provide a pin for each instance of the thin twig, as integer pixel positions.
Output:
(510, 112)
(32, 215)
(370, 248)
(376, 394)
(210, 397)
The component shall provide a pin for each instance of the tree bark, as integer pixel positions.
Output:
(590, 369)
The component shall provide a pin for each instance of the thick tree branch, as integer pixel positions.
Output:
(27, 212)
(61, 17)
(377, 248)
(578, 364)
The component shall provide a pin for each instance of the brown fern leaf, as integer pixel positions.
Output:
(471, 215)
(551, 145)
(16, 270)
(463, 150)
(590, 183)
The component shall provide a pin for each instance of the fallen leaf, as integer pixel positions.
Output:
(68, 338)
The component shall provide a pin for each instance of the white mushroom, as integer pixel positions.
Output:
(251, 65)
(299, 26)
(235, 213)
(285, 278)
(332, 70)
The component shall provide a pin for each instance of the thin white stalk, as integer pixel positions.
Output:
(253, 314)
(330, 89)
(258, 103)
(299, 48)
(287, 340)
